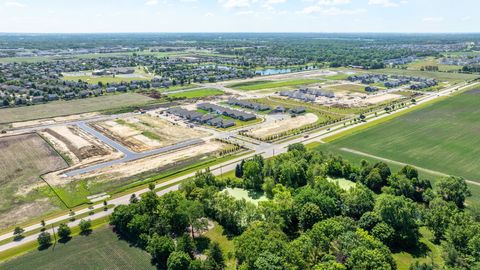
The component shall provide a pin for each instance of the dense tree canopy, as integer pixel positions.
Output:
(308, 222)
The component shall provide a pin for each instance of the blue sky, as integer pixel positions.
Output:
(47, 16)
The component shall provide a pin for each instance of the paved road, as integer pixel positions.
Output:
(128, 155)
(266, 150)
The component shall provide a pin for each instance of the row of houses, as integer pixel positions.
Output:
(194, 116)
(392, 81)
(423, 85)
(307, 95)
(249, 105)
(213, 108)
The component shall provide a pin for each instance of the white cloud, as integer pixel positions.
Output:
(332, 11)
(151, 2)
(15, 4)
(209, 14)
(433, 19)
(274, 2)
(245, 13)
(235, 3)
(330, 7)
(466, 18)
(385, 3)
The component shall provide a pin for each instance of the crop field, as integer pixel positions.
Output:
(100, 250)
(77, 106)
(442, 137)
(23, 158)
(262, 84)
(200, 93)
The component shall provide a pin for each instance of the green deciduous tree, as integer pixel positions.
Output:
(178, 260)
(453, 189)
(252, 174)
(85, 226)
(63, 231)
(160, 248)
(44, 239)
(215, 259)
(400, 214)
(357, 201)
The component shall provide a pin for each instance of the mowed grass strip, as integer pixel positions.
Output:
(100, 250)
(77, 106)
(443, 137)
(198, 93)
(259, 85)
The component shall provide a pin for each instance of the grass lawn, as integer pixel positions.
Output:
(431, 61)
(249, 196)
(338, 77)
(443, 137)
(347, 88)
(100, 250)
(343, 183)
(139, 75)
(440, 76)
(427, 252)
(199, 93)
(217, 234)
(76, 106)
(260, 85)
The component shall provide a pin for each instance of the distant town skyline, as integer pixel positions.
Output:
(93, 16)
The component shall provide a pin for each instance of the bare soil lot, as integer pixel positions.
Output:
(125, 170)
(144, 132)
(23, 158)
(79, 147)
(288, 123)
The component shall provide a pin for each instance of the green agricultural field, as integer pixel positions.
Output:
(441, 137)
(100, 250)
(260, 85)
(77, 106)
(199, 93)
(330, 148)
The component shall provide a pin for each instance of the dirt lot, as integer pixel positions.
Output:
(53, 120)
(288, 123)
(144, 132)
(23, 158)
(124, 170)
(78, 146)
